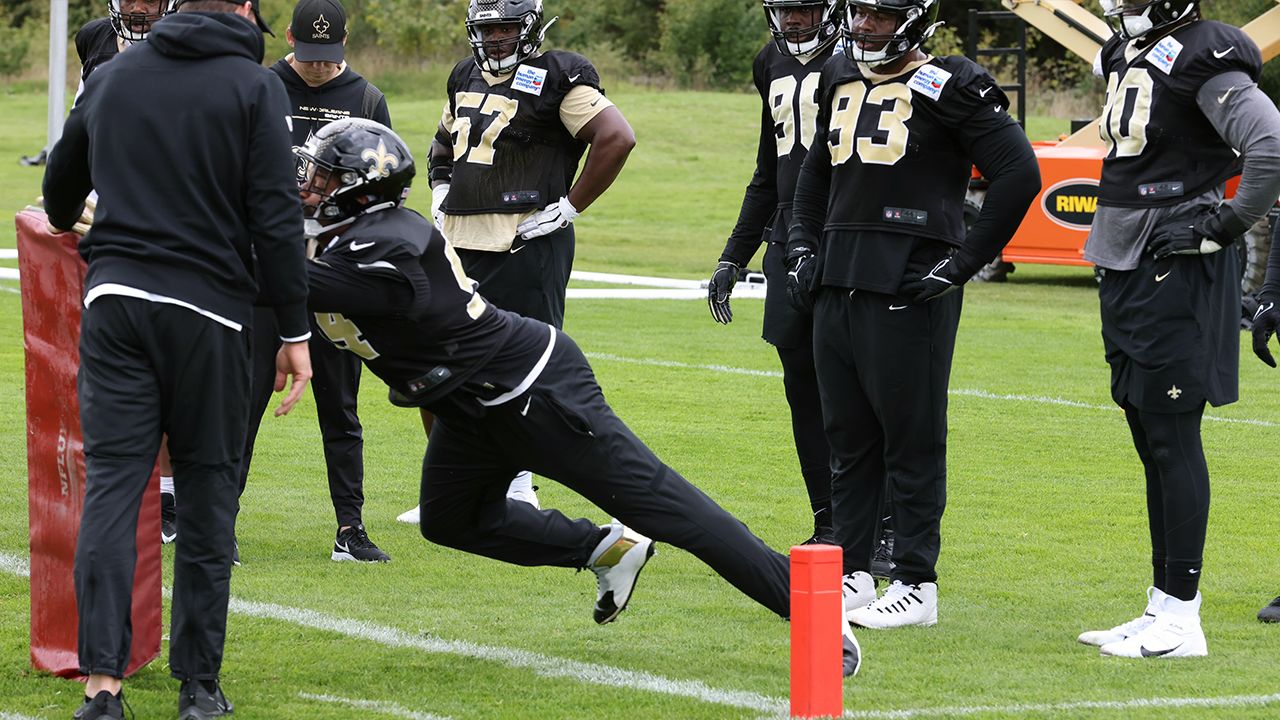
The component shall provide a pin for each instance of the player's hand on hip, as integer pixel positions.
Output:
(1207, 233)
(292, 361)
(1266, 320)
(554, 217)
(944, 277)
(719, 288)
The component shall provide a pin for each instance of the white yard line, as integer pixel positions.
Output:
(8, 254)
(14, 716)
(539, 664)
(386, 708)
(12, 274)
(961, 392)
(1051, 709)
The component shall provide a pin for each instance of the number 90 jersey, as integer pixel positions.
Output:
(1161, 150)
(899, 146)
(511, 151)
(789, 88)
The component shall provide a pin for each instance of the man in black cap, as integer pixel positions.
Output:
(322, 89)
(186, 211)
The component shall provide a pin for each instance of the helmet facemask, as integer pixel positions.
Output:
(499, 57)
(352, 176)
(801, 42)
(134, 26)
(916, 22)
(1133, 19)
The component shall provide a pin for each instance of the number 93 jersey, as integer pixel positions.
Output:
(1161, 150)
(511, 151)
(899, 145)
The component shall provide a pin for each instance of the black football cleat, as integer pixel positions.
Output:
(1270, 613)
(168, 518)
(882, 561)
(104, 705)
(198, 700)
(354, 545)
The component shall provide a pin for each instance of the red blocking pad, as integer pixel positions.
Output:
(817, 683)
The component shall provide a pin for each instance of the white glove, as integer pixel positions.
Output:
(438, 194)
(556, 216)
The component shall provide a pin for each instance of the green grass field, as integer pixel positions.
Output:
(1045, 532)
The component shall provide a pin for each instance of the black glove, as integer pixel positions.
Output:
(948, 275)
(1206, 234)
(800, 269)
(1266, 320)
(718, 290)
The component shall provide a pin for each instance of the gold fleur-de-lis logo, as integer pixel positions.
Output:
(321, 25)
(383, 161)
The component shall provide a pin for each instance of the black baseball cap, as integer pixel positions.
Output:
(319, 27)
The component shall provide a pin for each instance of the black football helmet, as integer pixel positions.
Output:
(356, 166)
(1133, 19)
(803, 41)
(134, 26)
(917, 21)
(525, 13)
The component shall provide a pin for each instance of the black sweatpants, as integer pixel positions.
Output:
(529, 279)
(883, 374)
(335, 384)
(563, 429)
(147, 369)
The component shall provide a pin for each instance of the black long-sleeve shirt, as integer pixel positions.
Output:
(186, 140)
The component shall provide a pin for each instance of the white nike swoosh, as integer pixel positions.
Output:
(575, 77)
(341, 547)
(983, 92)
(1223, 98)
(527, 403)
(1160, 278)
(1224, 53)
(357, 246)
(899, 307)
(515, 250)
(1193, 572)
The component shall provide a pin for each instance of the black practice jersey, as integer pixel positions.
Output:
(391, 290)
(788, 122)
(96, 43)
(511, 152)
(1161, 148)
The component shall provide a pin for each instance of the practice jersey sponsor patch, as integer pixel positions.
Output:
(929, 81)
(1165, 54)
(529, 80)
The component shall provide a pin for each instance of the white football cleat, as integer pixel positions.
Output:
(617, 562)
(1155, 598)
(901, 605)
(859, 590)
(1175, 632)
(851, 651)
(412, 516)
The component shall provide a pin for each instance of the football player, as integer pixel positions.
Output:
(507, 392)
(1183, 114)
(514, 128)
(785, 73)
(878, 249)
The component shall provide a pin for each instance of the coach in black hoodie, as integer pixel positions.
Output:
(186, 139)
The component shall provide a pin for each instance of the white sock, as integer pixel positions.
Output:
(523, 482)
(1185, 608)
(166, 484)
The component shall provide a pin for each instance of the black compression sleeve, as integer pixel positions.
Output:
(809, 209)
(1271, 287)
(761, 198)
(338, 288)
(1005, 158)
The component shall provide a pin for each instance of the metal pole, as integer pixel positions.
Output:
(57, 68)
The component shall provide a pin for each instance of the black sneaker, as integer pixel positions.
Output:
(882, 561)
(168, 518)
(1270, 613)
(102, 705)
(197, 701)
(354, 544)
(822, 532)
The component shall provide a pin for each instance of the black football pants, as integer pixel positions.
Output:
(147, 369)
(800, 381)
(563, 429)
(883, 375)
(530, 279)
(335, 384)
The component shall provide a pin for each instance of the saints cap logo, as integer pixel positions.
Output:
(321, 25)
(382, 161)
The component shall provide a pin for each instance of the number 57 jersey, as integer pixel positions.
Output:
(1161, 149)
(899, 145)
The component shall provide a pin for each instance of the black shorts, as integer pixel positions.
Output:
(1171, 332)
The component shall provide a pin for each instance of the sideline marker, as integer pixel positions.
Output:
(817, 682)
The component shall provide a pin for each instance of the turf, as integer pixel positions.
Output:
(1044, 534)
